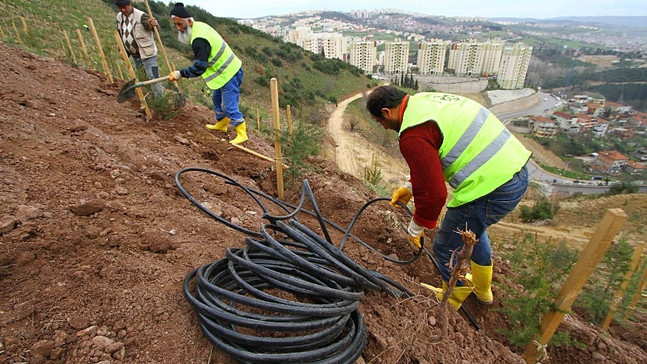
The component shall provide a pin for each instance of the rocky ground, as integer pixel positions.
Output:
(96, 239)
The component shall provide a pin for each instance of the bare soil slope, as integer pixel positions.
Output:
(96, 240)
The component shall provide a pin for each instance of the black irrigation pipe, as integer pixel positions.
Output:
(289, 295)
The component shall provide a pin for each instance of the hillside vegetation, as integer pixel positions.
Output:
(306, 81)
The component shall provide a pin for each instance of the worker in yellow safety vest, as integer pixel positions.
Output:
(451, 139)
(219, 67)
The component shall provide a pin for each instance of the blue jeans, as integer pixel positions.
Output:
(152, 71)
(478, 215)
(225, 100)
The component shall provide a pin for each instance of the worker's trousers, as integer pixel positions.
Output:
(476, 216)
(225, 100)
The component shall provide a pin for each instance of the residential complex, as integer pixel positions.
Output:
(396, 57)
(514, 66)
(363, 55)
(431, 57)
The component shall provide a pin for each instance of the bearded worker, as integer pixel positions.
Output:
(449, 138)
(219, 67)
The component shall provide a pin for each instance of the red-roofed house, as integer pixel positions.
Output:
(543, 127)
(565, 121)
(635, 167)
(587, 122)
(617, 108)
(612, 161)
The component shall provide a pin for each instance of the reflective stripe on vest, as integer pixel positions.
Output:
(478, 153)
(223, 63)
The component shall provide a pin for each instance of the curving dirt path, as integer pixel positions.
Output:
(353, 154)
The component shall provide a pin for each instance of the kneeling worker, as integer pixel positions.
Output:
(219, 67)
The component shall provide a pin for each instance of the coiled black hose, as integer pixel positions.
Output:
(289, 295)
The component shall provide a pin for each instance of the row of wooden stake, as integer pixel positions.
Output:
(593, 253)
(278, 160)
(591, 256)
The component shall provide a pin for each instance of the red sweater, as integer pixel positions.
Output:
(419, 145)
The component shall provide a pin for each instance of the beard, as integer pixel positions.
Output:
(185, 36)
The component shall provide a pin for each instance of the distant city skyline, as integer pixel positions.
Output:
(242, 9)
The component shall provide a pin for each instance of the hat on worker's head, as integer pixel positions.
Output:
(122, 2)
(179, 11)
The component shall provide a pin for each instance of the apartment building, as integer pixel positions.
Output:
(332, 45)
(431, 57)
(515, 60)
(466, 58)
(363, 55)
(492, 52)
(543, 127)
(396, 57)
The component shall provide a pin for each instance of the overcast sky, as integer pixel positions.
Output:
(541, 9)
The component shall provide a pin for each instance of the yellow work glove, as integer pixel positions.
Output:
(402, 194)
(175, 75)
(415, 233)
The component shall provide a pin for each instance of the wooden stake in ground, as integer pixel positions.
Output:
(274, 93)
(104, 62)
(289, 113)
(623, 286)
(161, 46)
(84, 49)
(17, 33)
(594, 251)
(637, 294)
(458, 273)
(258, 120)
(24, 25)
(131, 71)
(69, 46)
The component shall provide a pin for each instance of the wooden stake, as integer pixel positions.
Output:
(258, 120)
(24, 25)
(247, 150)
(161, 45)
(131, 71)
(104, 62)
(69, 46)
(121, 74)
(83, 48)
(594, 251)
(17, 34)
(289, 119)
(638, 294)
(274, 93)
(613, 307)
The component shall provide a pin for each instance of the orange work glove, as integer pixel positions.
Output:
(415, 233)
(402, 194)
(175, 75)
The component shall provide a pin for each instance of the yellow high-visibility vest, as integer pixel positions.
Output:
(223, 63)
(478, 153)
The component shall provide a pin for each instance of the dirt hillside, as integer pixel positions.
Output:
(96, 239)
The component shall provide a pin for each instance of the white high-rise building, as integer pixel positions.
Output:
(431, 57)
(492, 58)
(397, 57)
(515, 60)
(466, 58)
(363, 55)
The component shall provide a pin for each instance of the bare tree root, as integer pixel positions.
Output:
(457, 273)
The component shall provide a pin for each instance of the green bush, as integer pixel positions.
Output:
(541, 210)
(304, 141)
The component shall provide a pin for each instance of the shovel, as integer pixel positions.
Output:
(128, 91)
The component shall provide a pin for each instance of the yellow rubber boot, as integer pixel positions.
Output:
(459, 294)
(482, 279)
(241, 134)
(220, 125)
